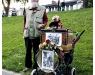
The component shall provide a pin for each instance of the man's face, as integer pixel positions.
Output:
(34, 3)
(34, 0)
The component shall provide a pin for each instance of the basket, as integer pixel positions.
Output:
(70, 36)
(67, 48)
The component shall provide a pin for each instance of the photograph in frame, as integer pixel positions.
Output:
(55, 37)
(47, 59)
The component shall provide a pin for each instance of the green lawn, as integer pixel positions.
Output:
(13, 49)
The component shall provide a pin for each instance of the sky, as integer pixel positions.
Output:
(44, 2)
(41, 2)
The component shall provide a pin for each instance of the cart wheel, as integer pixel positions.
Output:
(33, 72)
(73, 71)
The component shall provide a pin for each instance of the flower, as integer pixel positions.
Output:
(44, 43)
(52, 43)
(47, 45)
(47, 41)
(61, 56)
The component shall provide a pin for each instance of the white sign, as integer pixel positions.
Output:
(47, 59)
(55, 37)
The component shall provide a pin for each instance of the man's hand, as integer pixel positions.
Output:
(41, 26)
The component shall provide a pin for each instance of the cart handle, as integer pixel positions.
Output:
(77, 38)
(82, 32)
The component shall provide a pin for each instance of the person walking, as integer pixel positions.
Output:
(35, 19)
(63, 5)
(59, 5)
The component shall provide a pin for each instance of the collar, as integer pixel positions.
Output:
(34, 9)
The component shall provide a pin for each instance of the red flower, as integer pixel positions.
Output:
(48, 41)
(61, 56)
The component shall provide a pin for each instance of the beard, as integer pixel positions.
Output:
(34, 4)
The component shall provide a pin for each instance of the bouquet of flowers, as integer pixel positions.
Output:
(47, 45)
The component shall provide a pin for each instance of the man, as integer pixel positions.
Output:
(63, 5)
(35, 19)
(59, 5)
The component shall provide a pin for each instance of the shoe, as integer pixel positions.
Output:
(25, 69)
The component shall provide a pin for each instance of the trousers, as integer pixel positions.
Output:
(29, 44)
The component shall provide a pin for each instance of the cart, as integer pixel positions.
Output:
(56, 52)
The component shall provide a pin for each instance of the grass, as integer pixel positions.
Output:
(13, 49)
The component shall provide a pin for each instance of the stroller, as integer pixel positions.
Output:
(56, 52)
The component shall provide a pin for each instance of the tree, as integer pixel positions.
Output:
(6, 8)
(90, 3)
(85, 3)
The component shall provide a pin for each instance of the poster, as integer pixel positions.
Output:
(55, 37)
(47, 59)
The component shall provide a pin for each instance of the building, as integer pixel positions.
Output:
(70, 5)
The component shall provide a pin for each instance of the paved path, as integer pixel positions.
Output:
(5, 72)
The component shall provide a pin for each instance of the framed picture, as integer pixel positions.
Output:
(47, 59)
(54, 37)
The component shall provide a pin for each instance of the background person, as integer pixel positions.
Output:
(35, 18)
(63, 6)
(59, 5)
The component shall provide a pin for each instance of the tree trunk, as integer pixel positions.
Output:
(6, 8)
(85, 3)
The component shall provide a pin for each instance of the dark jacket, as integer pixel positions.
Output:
(55, 24)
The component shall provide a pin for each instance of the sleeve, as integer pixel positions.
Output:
(45, 18)
(24, 19)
